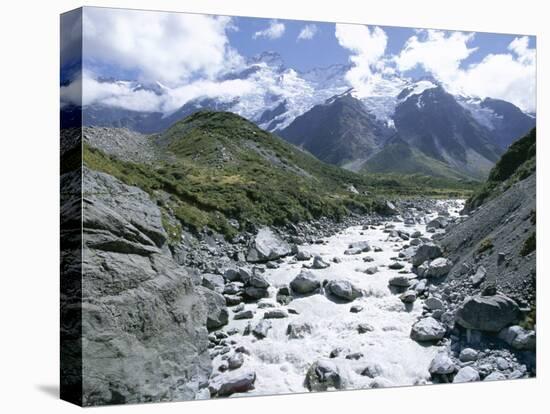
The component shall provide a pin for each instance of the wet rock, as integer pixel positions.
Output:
(258, 281)
(230, 383)
(356, 309)
(442, 364)
(468, 355)
(255, 293)
(261, 329)
(427, 330)
(420, 287)
(343, 289)
(368, 259)
(381, 382)
(298, 330)
(276, 314)
(351, 252)
(246, 314)
(399, 281)
(323, 375)
(306, 282)
(355, 356)
(363, 328)
(437, 223)
(488, 313)
(519, 338)
(438, 267)
(319, 263)
(267, 246)
(396, 266)
(428, 251)
(233, 300)
(363, 246)
(235, 361)
(372, 370)
(371, 270)
(233, 288)
(302, 255)
(408, 297)
(466, 374)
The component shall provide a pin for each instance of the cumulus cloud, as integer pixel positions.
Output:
(168, 47)
(274, 31)
(131, 96)
(308, 32)
(510, 76)
(367, 47)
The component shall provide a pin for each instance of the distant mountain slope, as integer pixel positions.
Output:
(437, 125)
(398, 156)
(509, 122)
(341, 131)
(516, 164)
(219, 170)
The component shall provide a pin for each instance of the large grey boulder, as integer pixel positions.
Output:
(267, 246)
(137, 303)
(218, 315)
(306, 282)
(519, 338)
(427, 330)
(442, 364)
(232, 382)
(343, 290)
(438, 267)
(488, 313)
(466, 374)
(425, 252)
(323, 375)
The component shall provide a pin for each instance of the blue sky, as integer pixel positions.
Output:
(188, 53)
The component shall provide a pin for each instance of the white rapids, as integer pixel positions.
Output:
(281, 363)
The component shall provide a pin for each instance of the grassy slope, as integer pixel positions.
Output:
(516, 164)
(218, 166)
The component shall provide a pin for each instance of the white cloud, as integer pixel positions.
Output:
(508, 76)
(168, 47)
(437, 52)
(308, 32)
(274, 31)
(367, 48)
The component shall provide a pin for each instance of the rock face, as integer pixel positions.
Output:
(488, 313)
(143, 320)
(427, 330)
(306, 282)
(267, 246)
(323, 375)
(425, 252)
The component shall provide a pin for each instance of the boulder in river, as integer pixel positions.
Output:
(371, 270)
(343, 290)
(408, 297)
(261, 329)
(323, 375)
(267, 246)
(302, 255)
(434, 303)
(276, 314)
(400, 281)
(236, 360)
(319, 263)
(306, 282)
(425, 252)
(488, 313)
(396, 265)
(427, 330)
(232, 382)
(363, 246)
(245, 314)
(298, 330)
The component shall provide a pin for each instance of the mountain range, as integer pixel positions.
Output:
(403, 125)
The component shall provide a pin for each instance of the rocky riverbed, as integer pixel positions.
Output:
(361, 305)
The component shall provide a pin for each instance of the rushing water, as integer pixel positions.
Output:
(281, 363)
